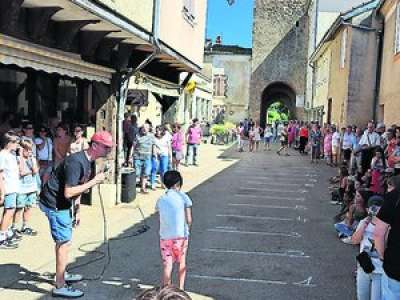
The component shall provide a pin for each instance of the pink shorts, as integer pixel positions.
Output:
(173, 250)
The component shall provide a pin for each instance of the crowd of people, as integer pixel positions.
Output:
(366, 189)
(153, 150)
(26, 161)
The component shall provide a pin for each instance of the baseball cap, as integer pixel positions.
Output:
(104, 138)
(380, 125)
(375, 200)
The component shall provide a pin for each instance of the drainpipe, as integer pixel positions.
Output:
(380, 35)
(122, 93)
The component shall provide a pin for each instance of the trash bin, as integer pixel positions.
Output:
(128, 185)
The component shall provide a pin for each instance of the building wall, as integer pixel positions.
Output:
(390, 80)
(338, 84)
(188, 39)
(362, 77)
(238, 70)
(138, 11)
(321, 85)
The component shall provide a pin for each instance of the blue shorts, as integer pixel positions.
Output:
(143, 167)
(26, 200)
(10, 201)
(60, 222)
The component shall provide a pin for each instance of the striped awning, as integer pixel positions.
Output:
(27, 55)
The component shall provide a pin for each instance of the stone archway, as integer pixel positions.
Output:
(277, 92)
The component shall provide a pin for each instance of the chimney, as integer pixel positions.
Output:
(218, 40)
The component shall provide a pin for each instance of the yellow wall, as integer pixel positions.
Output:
(322, 74)
(179, 34)
(138, 11)
(390, 82)
(338, 83)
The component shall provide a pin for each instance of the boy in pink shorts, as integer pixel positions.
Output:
(175, 210)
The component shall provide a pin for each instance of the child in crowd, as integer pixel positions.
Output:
(368, 283)
(9, 179)
(29, 186)
(175, 213)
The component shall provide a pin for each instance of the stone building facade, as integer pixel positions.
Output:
(280, 55)
(233, 64)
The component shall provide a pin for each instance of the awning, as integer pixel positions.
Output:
(27, 55)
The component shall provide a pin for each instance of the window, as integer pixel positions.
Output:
(220, 85)
(397, 39)
(189, 10)
(343, 46)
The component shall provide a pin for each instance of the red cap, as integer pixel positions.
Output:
(104, 138)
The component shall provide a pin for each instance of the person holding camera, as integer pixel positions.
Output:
(64, 188)
(387, 240)
(369, 270)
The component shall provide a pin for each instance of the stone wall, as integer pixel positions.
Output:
(280, 48)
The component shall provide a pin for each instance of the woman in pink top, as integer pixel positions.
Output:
(177, 143)
(194, 136)
(328, 146)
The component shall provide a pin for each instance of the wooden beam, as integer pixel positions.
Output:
(106, 47)
(90, 40)
(38, 21)
(179, 65)
(9, 15)
(145, 48)
(123, 56)
(67, 31)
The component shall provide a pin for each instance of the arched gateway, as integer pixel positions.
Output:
(277, 92)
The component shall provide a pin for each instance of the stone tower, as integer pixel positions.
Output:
(280, 50)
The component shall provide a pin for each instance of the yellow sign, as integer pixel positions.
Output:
(190, 87)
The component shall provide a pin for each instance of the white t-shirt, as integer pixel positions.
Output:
(171, 208)
(163, 144)
(47, 152)
(366, 245)
(9, 166)
(257, 135)
(268, 132)
(335, 139)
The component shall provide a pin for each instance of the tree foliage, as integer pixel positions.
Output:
(278, 112)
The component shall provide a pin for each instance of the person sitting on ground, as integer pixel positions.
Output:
(175, 212)
(368, 283)
(357, 211)
(166, 293)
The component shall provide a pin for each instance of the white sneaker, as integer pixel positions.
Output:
(347, 240)
(67, 291)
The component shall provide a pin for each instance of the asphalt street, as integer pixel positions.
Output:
(263, 230)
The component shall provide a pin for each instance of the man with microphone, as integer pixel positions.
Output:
(61, 195)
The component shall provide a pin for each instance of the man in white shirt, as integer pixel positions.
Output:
(347, 144)
(369, 141)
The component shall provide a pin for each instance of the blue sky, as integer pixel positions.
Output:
(234, 23)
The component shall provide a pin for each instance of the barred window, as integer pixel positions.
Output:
(220, 85)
